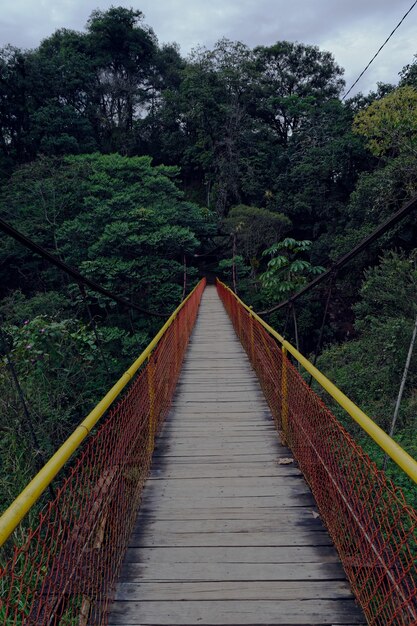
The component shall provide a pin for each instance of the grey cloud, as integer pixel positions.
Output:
(352, 30)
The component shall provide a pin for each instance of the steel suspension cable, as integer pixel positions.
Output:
(345, 258)
(184, 283)
(323, 322)
(94, 328)
(39, 456)
(379, 50)
(75, 274)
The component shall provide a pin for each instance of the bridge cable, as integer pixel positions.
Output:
(29, 420)
(287, 320)
(294, 319)
(39, 455)
(379, 50)
(78, 277)
(345, 258)
(401, 389)
(323, 323)
(234, 273)
(95, 330)
(184, 282)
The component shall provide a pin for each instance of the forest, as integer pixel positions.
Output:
(145, 170)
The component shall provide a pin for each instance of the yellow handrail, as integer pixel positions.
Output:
(384, 441)
(12, 517)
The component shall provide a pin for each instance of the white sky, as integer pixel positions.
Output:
(352, 30)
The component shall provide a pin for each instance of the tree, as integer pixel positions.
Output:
(80, 91)
(214, 96)
(16, 102)
(323, 161)
(390, 124)
(62, 79)
(286, 271)
(117, 219)
(132, 228)
(159, 134)
(123, 50)
(293, 79)
(252, 229)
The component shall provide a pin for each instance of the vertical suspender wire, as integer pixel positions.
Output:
(323, 323)
(401, 390)
(297, 343)
(94, 327)
(234, 276)
(130, 315)
(287, 319)
(28, 417)
(184, 280)
(13, 373)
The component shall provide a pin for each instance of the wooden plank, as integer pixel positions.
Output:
(255, 590)
(242, 612)
(219, 444)
(179, 490)
(223, 470)
(186, 483)
(226, 414)
(216, 504)
(237, 426)
(253, 393)
(166, 524)
(216, 448)
(218, 458)
(225, 436)
(235, 554)
(267, 517)
(150, 537)
(223, 406)
(160, 572)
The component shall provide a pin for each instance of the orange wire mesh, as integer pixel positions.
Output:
(65, 571)
(373, 528)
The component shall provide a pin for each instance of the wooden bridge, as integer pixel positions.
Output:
(228, 531)
(233, 528)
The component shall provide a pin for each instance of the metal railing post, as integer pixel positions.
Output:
(252, 340)
(284, 395)
(150, 369)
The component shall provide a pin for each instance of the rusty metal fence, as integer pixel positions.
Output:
(373, 528)
(64, 572)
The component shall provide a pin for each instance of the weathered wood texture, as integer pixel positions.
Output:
(226, 533)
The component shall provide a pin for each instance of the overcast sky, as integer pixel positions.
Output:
(352, 30)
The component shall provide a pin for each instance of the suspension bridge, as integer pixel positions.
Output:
(218, 488)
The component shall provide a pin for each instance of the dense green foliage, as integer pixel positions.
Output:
(146, 170)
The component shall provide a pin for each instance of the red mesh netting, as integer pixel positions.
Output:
(373, 528)
(66, 569)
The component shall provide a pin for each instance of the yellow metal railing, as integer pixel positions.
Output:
(379, 436)
(12, 517)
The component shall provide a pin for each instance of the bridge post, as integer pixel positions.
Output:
(239, 324)
(151, 395)
(177, 344)
(284, 396)
(252, 340)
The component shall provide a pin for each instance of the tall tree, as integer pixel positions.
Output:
(293, 79)
(214, 98)
(123, 50)
(15, 105)
(390, 124)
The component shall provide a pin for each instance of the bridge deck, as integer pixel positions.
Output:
(228, 532)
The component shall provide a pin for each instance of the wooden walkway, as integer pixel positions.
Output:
(227, 533)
